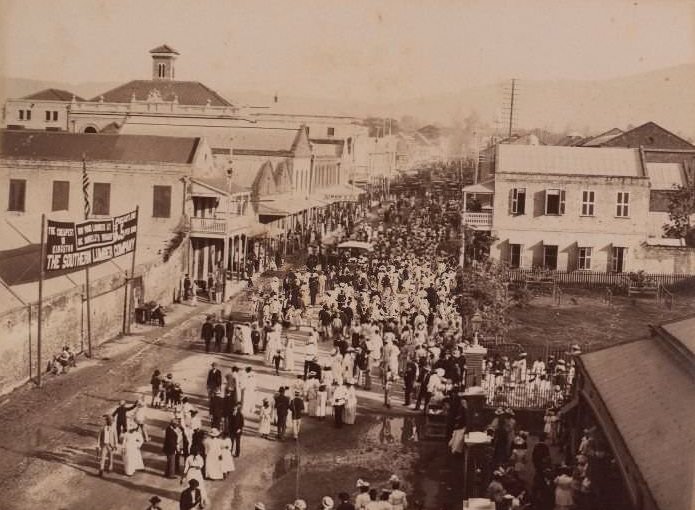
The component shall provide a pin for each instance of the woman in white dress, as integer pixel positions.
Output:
(132, 456)
(350, 413)
(227, 458)
(193, 470)
(246, 343)
(265, 414)
(272, 346)
(213, 456)
(289, 355)
(248, 392)
(311, 387)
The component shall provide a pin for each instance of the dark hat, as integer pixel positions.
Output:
(155, 499)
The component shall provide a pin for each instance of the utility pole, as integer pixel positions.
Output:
(511, 107)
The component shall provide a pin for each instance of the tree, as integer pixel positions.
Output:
(680, 208)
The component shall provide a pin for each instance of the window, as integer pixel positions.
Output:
(48, 115)
(587, 203)
(515, 255)
(330, 131)
(55, 115)
(61, 196)
(550, 257)
(618, 259)
(21, 114)
(18, 191)
(161, 70)
(101, 198)
(28, 114)
(554, 202)
(622, 208)
(161, 202)
(517, 204)
(584, 258)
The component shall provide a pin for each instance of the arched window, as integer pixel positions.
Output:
(161, 70)
(90, 129)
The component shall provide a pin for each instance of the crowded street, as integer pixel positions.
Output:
(380, 441)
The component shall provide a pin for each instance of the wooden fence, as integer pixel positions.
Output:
(593, 279)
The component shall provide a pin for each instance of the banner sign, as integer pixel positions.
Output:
(77, 245)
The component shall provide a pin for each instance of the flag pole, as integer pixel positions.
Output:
(85, 192)
(40, 316)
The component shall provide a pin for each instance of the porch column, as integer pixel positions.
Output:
(206, 259)
(244, 245)
(225, 264)
(195, 255)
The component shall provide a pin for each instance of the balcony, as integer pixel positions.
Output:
(207, 226)
(478, 220)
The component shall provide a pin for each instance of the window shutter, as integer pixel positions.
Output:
(511, 200)
(609, 259)
(521, 201)
(521, 256)
(562, 202)
(545, 208)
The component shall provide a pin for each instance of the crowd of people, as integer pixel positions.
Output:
(390, 316)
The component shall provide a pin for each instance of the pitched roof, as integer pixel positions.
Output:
(650, 398)
(51, 145)
(186, 92)
(596, 141)
(553, 160)
(259, 141)
(665, 176)
(53, 95)
(164, 48)
(683, 331)
(643, 135)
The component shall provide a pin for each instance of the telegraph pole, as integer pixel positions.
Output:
(511, 107)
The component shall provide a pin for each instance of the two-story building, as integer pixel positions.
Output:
(568, 208)
(47, 109)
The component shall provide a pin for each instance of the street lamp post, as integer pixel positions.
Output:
(476, 322)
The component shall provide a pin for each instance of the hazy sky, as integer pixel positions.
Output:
(367, 50)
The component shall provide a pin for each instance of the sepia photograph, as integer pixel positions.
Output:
(364, 255)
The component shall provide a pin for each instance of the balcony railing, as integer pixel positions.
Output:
(208, 226)
(480, 220)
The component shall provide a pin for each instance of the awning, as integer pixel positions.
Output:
(481, 187)
(342, 193)
(280, 205)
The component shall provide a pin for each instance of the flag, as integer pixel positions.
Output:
(85, 188)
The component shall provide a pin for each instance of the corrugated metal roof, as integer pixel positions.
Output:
(49, 145)
(264, 141)
(666, 176)
(650, 398)
(185, 92)
(596, 141)
(555, 160)
(683, 331)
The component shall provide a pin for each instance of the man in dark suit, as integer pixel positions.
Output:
(409, 378)
(207, 332)
(122, 417)
(282, 406)
(214, 384)
(191, 496)
(219, 332)
(236, 427)
(173, 448)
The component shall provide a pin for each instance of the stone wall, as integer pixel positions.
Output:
(665, 259)
(65, 317)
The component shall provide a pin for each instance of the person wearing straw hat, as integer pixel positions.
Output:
(300, 504)
(397, 497)
(327, 503)
(213, 456)
(362, 499)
